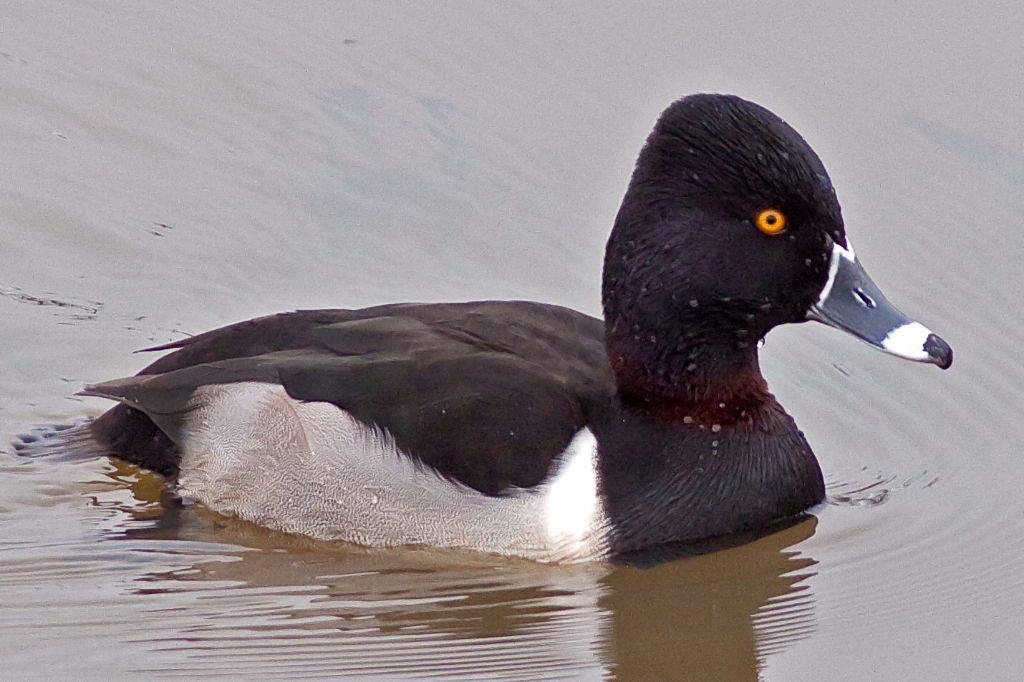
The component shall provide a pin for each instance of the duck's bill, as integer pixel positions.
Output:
(850, 301)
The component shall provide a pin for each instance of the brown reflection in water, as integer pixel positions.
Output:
(712, 617)
(275, 602)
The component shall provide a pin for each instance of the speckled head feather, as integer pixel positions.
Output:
(685, 261)
(725, 153)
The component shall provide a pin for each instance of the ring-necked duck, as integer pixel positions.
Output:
(529, 429)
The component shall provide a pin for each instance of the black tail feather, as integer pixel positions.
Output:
(132, 436)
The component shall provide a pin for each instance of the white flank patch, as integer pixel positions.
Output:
(252, 451)
(572, 509)
(908, 341)
(837, 252)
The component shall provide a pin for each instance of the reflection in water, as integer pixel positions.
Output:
(244, 601)
(712, 617)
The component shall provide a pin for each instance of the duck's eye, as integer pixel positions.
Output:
(771, 221)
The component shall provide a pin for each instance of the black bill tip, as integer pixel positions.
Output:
(939, 351)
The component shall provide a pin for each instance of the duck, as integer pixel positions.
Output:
(532, 430)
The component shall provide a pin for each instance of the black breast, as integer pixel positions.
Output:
(668, 481)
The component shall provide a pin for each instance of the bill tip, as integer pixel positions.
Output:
(939, 351)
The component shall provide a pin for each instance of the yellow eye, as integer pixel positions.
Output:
(771, 221)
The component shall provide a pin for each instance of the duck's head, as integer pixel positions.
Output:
(730, 226)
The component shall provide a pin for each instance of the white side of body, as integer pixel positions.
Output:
(310, 468)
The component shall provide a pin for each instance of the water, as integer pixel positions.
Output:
(172, 168)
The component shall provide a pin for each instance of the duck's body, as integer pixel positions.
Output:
(460, 425)
(529, 429)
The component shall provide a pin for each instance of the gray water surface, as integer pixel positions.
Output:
(166, 168)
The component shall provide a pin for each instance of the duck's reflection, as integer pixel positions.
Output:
(710, 617)
(274, 604)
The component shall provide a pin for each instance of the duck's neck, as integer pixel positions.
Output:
(684, 359)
